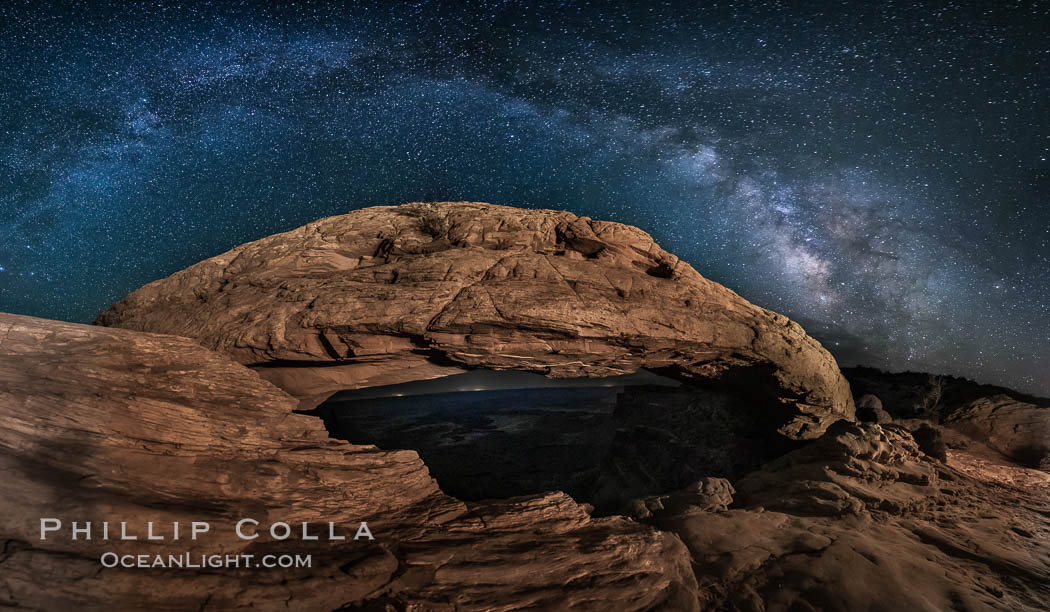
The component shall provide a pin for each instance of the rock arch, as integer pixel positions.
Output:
(393, 294)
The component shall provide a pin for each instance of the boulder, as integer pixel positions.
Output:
(393, 294)
(852, 469)
(1014, 424)
(1018, 429)
(707, 494)
(869, 410)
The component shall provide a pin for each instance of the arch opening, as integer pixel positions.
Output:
(604, 441)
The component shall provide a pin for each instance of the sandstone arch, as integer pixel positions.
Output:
(392, 294)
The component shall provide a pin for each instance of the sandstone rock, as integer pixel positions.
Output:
(707, 494)
(109, 424)
(1015, 424)
(850, 470)
(861, 520)
(1018, 429)
(116, 425)
(392, 294)
(869, 410)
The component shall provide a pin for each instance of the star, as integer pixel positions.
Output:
(876, 183)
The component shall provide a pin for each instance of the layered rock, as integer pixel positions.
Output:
(707, 494)
(392, 294)
(1015, 424)
(861, 519)
(1018, 429)
(849, 470)
(115, 425)
(107, 424)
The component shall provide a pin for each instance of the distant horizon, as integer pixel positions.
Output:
(499, 380)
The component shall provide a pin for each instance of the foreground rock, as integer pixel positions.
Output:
(392, 294)
(1015, 424)
(114, 425)
(862, 520)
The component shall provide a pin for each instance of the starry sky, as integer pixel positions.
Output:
(875, 170)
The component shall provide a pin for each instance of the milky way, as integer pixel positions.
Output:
(876, 171)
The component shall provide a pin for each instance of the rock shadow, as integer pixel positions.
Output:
(484, 435)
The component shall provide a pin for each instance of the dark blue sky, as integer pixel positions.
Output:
(876, 171)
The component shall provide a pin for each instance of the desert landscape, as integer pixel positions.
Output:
(735, 467)
(517, 306)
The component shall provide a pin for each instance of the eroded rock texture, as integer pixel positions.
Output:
(391, 294)
(109, 424)
(1015, 424)
(861, 519)
(115, 425)
(121, 425)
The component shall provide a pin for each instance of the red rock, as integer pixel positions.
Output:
(392, 294)
(861, 520)
(1017, 428)
(116, 425)
(109, 424)
(1015, 424)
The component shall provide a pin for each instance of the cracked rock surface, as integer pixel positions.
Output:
(117, 425)
(189, 413)
(387, 295)
(861, 519)
(114, 425)
(1014, 424)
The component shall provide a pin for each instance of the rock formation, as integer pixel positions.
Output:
(869, 409)
(602, 445)
(862, 520)
(117, 425)
(114, 425)
(209, 422)
(392, 294)
(1015, 424)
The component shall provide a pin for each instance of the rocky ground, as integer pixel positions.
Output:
(922, 504)
(113, 425)
(1013, 423)
(863, 520)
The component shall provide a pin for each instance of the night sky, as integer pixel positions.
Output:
(876, 171)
